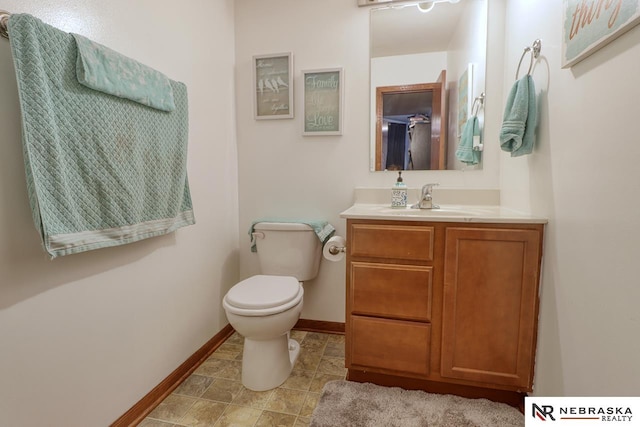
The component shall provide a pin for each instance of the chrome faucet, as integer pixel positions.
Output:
(426, 198)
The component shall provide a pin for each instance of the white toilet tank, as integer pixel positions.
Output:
(288, 249)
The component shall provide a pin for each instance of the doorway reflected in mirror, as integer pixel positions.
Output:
(409, 120)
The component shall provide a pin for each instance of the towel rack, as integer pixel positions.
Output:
(478, 103)
(535, 53)
(4, 20)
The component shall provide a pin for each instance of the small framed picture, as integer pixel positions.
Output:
(273, 86)
(323, 98)
(465, 91)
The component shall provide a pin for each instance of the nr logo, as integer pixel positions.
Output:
(542, 412)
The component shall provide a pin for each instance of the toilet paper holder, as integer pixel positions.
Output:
(335, 249)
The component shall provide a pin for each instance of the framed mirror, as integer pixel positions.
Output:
(427, 65)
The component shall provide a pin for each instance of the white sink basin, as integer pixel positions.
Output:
(446, 213)
(442, 211)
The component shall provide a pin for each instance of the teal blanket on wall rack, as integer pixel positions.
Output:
(101, 170)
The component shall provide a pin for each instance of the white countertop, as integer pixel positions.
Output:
(446, 213)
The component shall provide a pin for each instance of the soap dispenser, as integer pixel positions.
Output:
(399, 193)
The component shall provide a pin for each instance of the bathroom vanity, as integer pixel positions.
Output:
(443, 300)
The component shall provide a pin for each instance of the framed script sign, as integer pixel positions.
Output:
(465, 89)
(589, 25)
(273, 86)
(323, 93)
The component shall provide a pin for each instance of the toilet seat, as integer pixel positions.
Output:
(263, 295)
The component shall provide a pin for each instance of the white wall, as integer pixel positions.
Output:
(467, 47)
(285, 174)
(583, 175)
(281, 172)
(84, 337)
(406, 69)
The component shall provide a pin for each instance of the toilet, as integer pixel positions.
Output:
(264, 308)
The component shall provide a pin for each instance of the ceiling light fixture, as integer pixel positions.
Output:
(426, 6)
(423, 6)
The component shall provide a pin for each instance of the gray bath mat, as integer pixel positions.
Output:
(351, 404)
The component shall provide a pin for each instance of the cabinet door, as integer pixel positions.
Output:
(490, 305)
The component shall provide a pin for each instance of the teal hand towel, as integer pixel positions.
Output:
(322, 228)
(101, 170)
(517, 135)
(108, 71)
(465, 152)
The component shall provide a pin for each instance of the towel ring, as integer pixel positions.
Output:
(4, 21)
(477, 104)
(535, 53)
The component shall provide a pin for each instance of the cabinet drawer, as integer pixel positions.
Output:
(391, 290)
(390, 345)
(413, 243)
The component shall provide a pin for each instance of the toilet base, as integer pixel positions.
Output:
(266, 364)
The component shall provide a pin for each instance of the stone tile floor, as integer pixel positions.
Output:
(214, 395)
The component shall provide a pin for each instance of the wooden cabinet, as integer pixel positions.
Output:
(443, 306)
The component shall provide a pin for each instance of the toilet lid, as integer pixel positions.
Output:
(261, 292)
